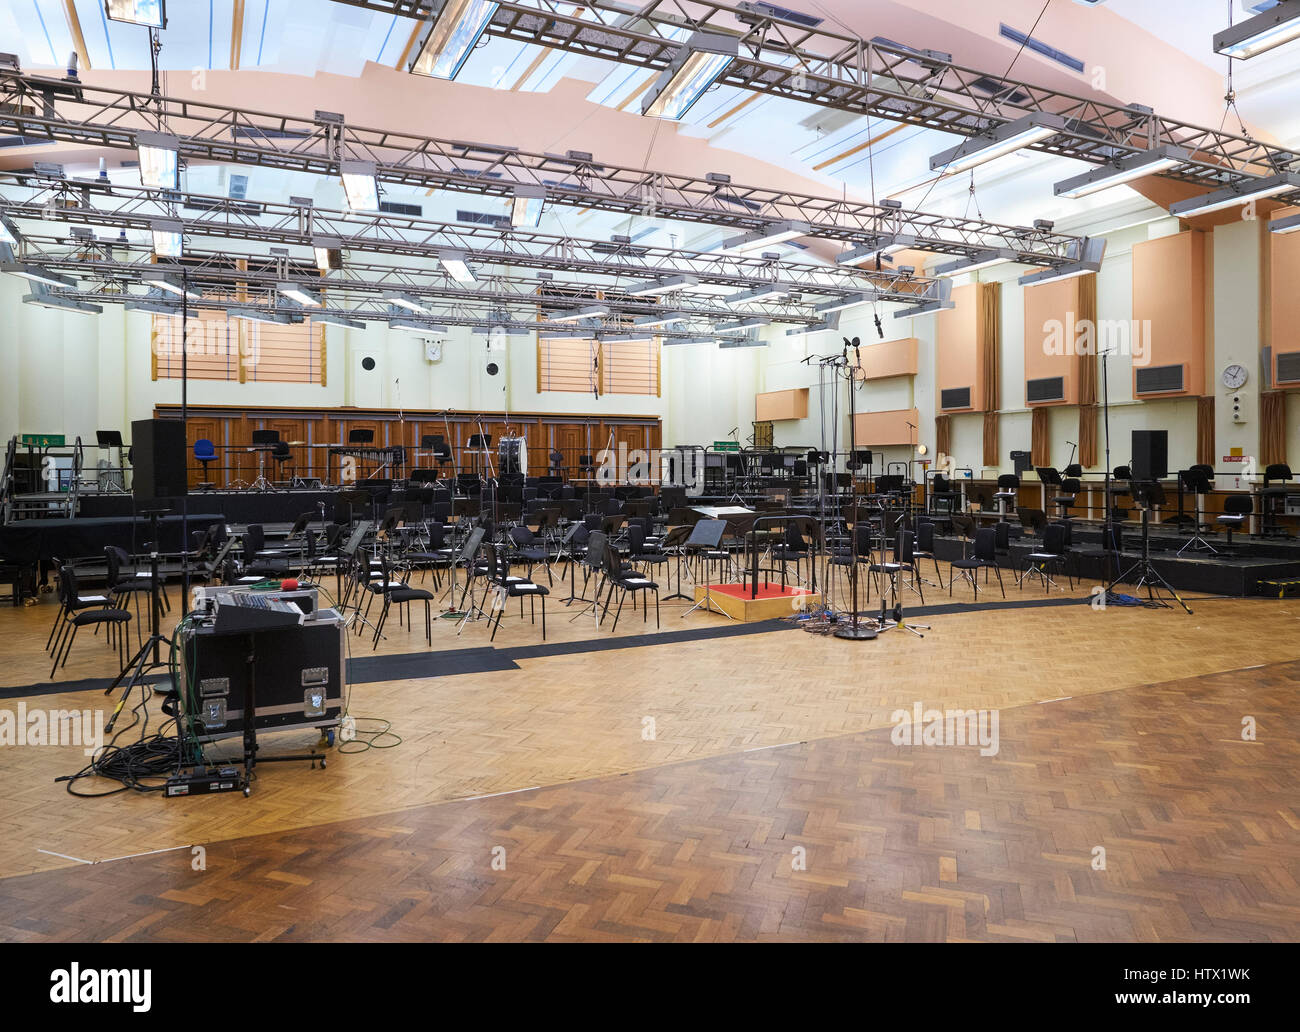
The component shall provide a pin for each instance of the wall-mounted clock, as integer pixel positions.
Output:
(1234, 377)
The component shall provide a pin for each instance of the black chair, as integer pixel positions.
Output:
(528, 551)
(1007, 493)
(281, 453)
(504, 587)
(80, 611)
(983, 557)
(924, 547)
(403, 595)
(626, 581)
(79, 602)
(120, 586)
(1053, 552)
(1065, 497)
(1272, 500)
(903, 561)
(639, 551)
(1237, 509)
(791, 549)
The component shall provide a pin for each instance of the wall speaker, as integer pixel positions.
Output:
(159, 466)
(1150, 454)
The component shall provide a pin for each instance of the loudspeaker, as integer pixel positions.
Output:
(1150, 454)
(159, 464)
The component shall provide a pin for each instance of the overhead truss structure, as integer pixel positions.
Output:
(43, 109)
(612, 264)
(784, 58)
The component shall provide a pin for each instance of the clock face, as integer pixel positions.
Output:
(1234, 377)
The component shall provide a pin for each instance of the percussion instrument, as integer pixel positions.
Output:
(512, 456)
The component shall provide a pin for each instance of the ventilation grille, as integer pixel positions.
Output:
(398, 208)
(1039, 47)
(1047, 388)
(955, 398)
(1288, 367)
(1159, 379)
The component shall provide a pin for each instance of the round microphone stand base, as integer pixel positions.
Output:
(856, 632)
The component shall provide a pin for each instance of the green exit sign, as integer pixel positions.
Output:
(727, 446)
(44, 440)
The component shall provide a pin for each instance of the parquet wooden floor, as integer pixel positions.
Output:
(1201, 832)
(578, 862)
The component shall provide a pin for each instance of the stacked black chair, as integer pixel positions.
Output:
(504, 587)
(402, 594)
(79, 611)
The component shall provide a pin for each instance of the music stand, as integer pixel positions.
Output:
(1198, 482)
(362, 435)
(1148, 494)
(676, 538)
(706, 536)
(262, 440)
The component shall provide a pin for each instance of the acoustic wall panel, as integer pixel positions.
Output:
(879, 429)
(1169, 311)
(1055, 339)
(957, 363)
(888, 358)
(775, 405)
(1284, 319)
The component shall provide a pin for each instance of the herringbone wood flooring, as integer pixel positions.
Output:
(567, 718)
(1201, 833)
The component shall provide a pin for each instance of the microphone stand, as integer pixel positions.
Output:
(855, 629)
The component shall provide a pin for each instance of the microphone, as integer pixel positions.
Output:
(879, 329)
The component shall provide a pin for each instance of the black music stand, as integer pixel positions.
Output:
(263, 440)
(362, 435)
(1147, 494)
(1198, 482)
(706, 536)
(676, 538)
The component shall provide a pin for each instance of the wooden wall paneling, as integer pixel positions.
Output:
(1051, 337)
(1169, 290)
(879, 429)
(957, 351)
(214, 431)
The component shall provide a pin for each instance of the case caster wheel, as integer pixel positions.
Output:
(322, 763)
(329, 737)
(248, 791)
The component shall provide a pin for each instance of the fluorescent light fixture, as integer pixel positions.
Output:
(159, 159)
(526, 209)
(407, 302)
(670, 341)
(1290, 224)
(982, 260)
(1232, 196)
(415, 326)
(38, 275)
(152, 307)
(328, 252)
(847, 301)
(253, 315)
(295, 292)
(1003, 140)
(360, 184)
(63, 304)
(1090, 261)
(887, 244)
(743, 342)
(171, 284)
(928, 308)
(777, 233)
(578, 314)
(1272, 28)
(152, 13)
(456, 266)
(450, 35)
(695, 68)
(651, 321)
(763, 293)
(167, 238)
(335, 319)
(664, 286)
(1135, 166)
(741, 326)
(9, 232)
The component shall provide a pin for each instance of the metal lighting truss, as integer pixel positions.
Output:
(367, 290)
(96, 203)
(783, 58)
(42, 109)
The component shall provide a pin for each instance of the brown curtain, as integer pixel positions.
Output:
(1272, 427)
(943, 435)
(990, 350)
(1040, 447)
(1205, 430)
(1087, 305)
(1088, 436)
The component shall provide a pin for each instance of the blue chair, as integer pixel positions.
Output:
(205, 451)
